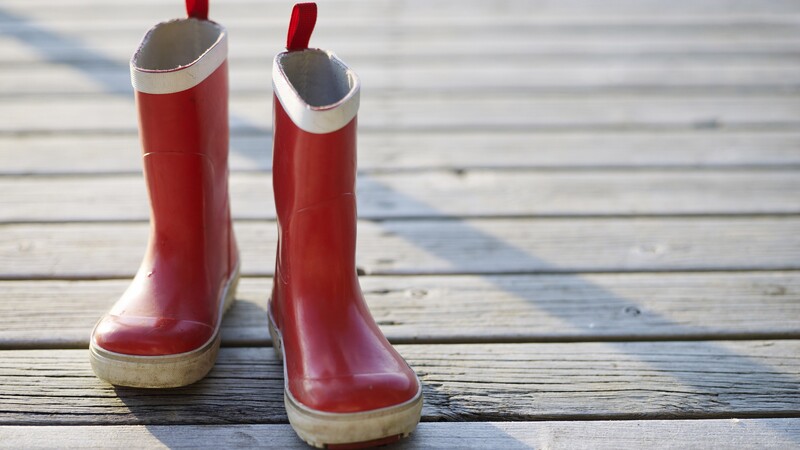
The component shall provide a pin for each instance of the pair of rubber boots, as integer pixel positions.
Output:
(344, 383)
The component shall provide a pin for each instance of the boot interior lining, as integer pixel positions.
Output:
(318, 77)
(171, 45)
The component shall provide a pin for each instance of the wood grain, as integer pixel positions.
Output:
(655, 434)
(566, 209)
(474, 193)
(103, 154)
(349, 28)
(103, 250)
(621, 50)
(476, 382)
(398, 112)
(456, 77)
(490, 308)
(471, 9)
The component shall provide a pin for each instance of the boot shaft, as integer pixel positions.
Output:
(314, 176)
(314, 116)
(310, 168)
(314, 155)
(180, 78)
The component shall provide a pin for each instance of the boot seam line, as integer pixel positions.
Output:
(323, 202)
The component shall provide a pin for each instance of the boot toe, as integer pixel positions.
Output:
(150, 336)
(356, 393)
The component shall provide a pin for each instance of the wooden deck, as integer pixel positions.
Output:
(580, 220)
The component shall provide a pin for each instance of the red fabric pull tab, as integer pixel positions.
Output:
(304, 17)
(197, 9)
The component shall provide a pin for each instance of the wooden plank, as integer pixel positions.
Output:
(404, 43)
(16, 51)
(406, 25)
(114, 38)
(489, 308)
(633, 434)
(249, 28)
(347, 31)
(472, 8)
(476, 382)
(99, 154)
(457, 77)
(445, 112)
(20, 21)
(107, 250)
(473, 193)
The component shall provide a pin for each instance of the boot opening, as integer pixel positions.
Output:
(176, 44)
(318, 77)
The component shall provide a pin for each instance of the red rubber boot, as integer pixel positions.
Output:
(344, 383)
(165, 330)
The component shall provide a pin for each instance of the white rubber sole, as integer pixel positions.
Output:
(321, 429)
(167, 371)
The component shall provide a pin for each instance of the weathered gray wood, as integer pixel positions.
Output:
(103, 250)
(720, 434)
(407, 26)
(632, 16)
(570, 84)
(478, 193)
(646, 380)
(569, 50)
(351, 30)
(98, 154)
(481, 111)
(474, 8)
(97, 49)
(463, 308)
(462, 77)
